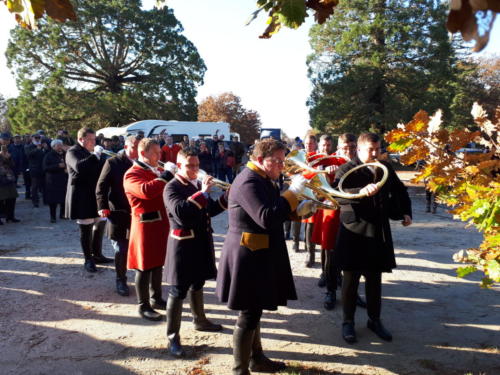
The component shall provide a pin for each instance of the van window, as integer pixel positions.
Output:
(177, 137)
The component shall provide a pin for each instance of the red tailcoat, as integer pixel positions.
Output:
(170, 153)
(312, 219)
(326, 222)
(149, 228)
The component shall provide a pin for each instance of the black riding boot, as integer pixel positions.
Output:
(142, 280)
(174, 315)
(86, 243)
(310, 247)
(53, 209)
(121, 273)
(258, 361)
(242, 348)
(97, 234)
(156, 293)
(201, 323)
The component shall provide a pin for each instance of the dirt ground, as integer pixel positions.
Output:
(55, 318)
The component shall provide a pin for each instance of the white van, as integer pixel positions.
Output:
(177, 129)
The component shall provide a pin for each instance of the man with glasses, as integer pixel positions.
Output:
(254, 269)
(190, 251)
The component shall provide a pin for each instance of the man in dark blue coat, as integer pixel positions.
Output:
(16, 150)
(112, 203)
(190, 257)
(254, 269)
(364, 242)
(35, 154)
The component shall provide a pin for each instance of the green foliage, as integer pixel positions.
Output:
(292, 13)
(116, 64)
(376, 62)
(464, 271)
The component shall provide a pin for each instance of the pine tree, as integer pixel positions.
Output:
(377, 62)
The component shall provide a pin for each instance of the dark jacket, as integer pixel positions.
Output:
(35, 157)
(56, 178)
(254, 269)
(206, 161)
(19, 157)
(364, 241)
(238, 150)
(7, 179)
(84, 169)
(190, 249)
(111, 196)
(221, 159)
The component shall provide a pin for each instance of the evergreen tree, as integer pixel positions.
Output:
(116, 64)
(377, 62)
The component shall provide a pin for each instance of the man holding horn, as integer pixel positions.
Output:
(190, 252)
(254, 269)
(364, 244)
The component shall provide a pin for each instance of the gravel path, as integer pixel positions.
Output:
(55, 318)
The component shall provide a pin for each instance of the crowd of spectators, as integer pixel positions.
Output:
(38, 162)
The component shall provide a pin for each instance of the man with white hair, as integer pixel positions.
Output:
(84, 166)
(112, 204)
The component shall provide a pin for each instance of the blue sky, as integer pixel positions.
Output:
(269, 75)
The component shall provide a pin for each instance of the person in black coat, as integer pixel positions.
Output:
(16, 150)
(84, 167)
(254, 269)
(56, 179)
(112, 203)
(206, 160)
(35, 154)
(364, 242)
(190, 250)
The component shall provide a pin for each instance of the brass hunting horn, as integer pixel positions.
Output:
(201, 173)
(296, 162)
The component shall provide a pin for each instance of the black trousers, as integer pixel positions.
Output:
(53, 209)
(332, 272)
(180, 291)
(296, 231)
(309, 228)
(249, 319)
(286, 226)
(37, 183)
(8, 207)
(148, 285)
(27, 183)
(373, 290)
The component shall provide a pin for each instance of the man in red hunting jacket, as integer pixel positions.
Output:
(144, 183)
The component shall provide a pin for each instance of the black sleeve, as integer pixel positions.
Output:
(103, 187)
(50, 163)
(184, 211)
(399, 191)
(83, 165)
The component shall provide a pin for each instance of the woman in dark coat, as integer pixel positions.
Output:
(8, 191)
(56, 179)
(254, 269)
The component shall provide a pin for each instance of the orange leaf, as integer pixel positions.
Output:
(60, 10)
(419, 122)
